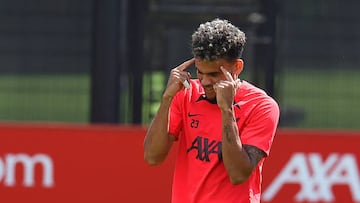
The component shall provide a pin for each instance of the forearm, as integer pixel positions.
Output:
(235, 157)
(157, 142)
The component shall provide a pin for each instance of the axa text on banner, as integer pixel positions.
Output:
(57, 163)
(313, 167)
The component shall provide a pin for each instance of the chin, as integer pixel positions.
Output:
(210, 96)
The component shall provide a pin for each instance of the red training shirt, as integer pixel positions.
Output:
(200, 174)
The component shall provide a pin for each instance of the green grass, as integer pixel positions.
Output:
(154, 84)
(63, 98)
(327, 98)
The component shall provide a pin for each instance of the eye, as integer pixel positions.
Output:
(198, 72)
(214, 74)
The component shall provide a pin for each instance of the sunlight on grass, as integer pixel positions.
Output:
(328, 98)
(63, 98)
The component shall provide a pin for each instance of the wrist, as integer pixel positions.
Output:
(227, 112)
(166, 98)
(229, 109)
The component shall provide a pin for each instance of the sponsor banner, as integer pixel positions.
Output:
(313, 167)
(42, 163)
(75, 164)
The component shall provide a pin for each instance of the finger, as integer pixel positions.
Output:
(227, 74)
(218, 86)
(186, 64)
(182, 80)
(182, 74)
(188, 75)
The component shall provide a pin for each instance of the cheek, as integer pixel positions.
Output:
(206, 80)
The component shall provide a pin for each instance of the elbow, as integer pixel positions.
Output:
(152, 161)
(239, 179)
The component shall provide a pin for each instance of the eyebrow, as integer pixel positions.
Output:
(214, 72)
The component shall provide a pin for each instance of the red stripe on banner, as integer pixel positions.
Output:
(84, 163)
(88, 163)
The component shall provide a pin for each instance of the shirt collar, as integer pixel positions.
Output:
(203, 97)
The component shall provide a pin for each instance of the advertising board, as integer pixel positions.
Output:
(84, 163)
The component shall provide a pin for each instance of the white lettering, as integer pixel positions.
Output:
(8, 169)
(347, 173)
(316, 177)
(312, 192)
(2, 170)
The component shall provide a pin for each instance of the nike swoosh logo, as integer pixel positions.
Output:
(191, 115)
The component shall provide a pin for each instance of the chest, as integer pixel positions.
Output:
(205, 120)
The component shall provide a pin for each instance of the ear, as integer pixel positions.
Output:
(239, 64)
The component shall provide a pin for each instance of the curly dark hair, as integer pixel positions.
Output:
(218, 39)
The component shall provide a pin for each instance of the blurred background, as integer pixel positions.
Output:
(93, 61)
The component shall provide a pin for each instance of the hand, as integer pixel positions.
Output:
(177, 78)
(226, 90)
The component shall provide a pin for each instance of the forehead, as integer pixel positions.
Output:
(205, 65)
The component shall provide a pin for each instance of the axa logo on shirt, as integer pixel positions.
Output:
(317, 177)
(8, 168)
(205, 147)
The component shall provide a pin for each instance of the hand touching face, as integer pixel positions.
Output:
(209, 73)
(177, 79)
(226, 89)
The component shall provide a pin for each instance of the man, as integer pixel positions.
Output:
(225, 126)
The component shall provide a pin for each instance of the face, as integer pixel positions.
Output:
(209, 73)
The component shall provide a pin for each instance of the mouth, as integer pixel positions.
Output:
(208, 89)
(209, 92)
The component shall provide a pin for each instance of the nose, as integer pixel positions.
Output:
(205, 81)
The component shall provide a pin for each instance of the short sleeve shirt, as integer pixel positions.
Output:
(200, 174)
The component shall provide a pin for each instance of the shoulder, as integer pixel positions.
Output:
(250, 94)
(256, 102)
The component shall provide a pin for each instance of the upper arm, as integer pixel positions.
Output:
(260, 128)
(176, 116)
(255, 154)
